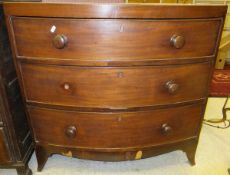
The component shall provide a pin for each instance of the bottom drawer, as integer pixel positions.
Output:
(4, 154)
(115, 130)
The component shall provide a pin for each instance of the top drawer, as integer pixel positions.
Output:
(108, 40)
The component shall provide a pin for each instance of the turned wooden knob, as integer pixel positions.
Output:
(71, 131)
(172, 87)
(177, 41)
(166, 129)
(60, 41)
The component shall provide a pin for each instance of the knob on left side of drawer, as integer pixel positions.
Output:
(60, 41)
(177, 41)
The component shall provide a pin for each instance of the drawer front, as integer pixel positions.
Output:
(114, 40)
(4, 156)
(115, 130)
(113, 87)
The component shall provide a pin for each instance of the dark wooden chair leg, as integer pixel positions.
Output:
(42, 157)
(24, 170)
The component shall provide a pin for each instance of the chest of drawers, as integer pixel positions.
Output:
(114, 81)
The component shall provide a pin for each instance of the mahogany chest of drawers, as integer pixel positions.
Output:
(114, 81)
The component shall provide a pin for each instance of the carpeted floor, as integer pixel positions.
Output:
(212, 158)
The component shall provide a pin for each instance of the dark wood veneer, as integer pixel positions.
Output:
(116, 11)
(130, 83)
(90, 39)
(122, 86)
(100, 130)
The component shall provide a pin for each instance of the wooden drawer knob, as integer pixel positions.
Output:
(172, 87)
(71, 131)
(177, 41)
(60, 41)
(166, 129)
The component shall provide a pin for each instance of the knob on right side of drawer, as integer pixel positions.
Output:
(71, 131)
(177, 41)
(172, 86)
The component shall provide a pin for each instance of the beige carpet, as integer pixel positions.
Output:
(212, 158)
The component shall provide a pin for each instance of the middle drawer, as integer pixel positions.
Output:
(114, 87)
